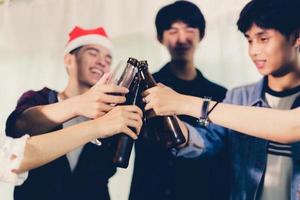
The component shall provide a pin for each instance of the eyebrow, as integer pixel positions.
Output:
(92, 48)
(260, 33)
(95, 49)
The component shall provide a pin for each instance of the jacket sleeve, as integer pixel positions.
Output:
(27, 100)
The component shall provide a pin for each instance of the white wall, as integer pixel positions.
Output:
(33, 34)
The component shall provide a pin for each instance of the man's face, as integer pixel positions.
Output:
(272, 53)
(92, 62)
(181, 40)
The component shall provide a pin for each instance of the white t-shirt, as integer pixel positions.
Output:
(73, 156)
(277, 179)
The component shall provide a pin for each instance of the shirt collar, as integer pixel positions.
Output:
(258, 95)
(167, 71)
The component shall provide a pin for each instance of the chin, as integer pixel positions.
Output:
(94, 79)
(91, 82)
(181, 59)
(264, 72)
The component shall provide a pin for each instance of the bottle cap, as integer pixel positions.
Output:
(132, 61)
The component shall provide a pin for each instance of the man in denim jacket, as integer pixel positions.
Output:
(261, 169)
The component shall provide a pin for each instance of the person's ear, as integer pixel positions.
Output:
(67, 59)
(70, 62)
(297, 43)
(297, 40)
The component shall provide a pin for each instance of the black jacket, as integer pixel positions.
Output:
(55, 181)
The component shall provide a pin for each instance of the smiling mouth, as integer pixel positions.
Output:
(260, 63)
(97, 71)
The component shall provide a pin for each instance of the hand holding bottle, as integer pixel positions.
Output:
(118, 120)
(164, 100)
(99, 99)
(126, 77)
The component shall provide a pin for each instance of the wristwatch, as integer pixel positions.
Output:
(203, 119)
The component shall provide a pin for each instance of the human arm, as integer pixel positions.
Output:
(199, 140)
(34, 115)
(270, 124)
(22, 154)
(47, 147)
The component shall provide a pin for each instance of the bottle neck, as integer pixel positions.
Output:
(147, 78)
(133, 96)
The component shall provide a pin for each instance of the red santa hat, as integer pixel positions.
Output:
(79, 37)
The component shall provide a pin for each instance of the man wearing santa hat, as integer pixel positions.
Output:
(84, 172)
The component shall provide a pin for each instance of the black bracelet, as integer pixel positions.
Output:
(203, 121)
(212, 110)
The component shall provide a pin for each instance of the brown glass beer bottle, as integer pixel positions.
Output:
(165, 129)
(124, 142)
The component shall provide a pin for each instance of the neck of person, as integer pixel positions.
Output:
(183, 69)
(74, 88)
(287, 81)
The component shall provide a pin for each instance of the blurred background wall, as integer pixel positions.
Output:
(33, 34)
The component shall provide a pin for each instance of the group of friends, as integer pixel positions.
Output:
(241, 144)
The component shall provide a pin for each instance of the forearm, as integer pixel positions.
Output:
(45, 148)
(270, 124)
(41, 119)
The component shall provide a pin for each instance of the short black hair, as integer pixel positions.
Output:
(76, 50)
(281, 15)
(184, 11)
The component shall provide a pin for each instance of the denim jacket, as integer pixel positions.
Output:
(248, 154)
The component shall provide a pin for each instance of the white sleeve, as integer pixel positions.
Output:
(11, 156)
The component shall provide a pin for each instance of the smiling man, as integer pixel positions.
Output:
(84, 172)
(261, 169)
